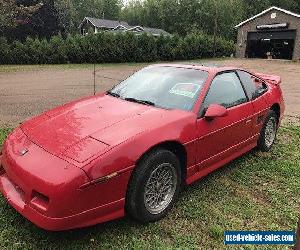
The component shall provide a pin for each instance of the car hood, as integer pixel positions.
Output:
(84, 128)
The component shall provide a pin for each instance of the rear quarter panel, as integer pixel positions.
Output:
(275, 96)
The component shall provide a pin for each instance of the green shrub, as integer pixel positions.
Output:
(127, 44)
(45, 52)
(74, 51)
(5, 52)
(107, 47)
(57, 51)
(164, 48)
(19, 54)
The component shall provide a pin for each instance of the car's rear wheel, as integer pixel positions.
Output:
(268, 132)
(154, 186)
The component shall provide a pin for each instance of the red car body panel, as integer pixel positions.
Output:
(79, 157)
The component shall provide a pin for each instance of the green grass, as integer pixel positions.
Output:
(3, 133)
(26, 68)
(259, 191)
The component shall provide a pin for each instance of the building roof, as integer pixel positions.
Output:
(266, 11)
(155, 31)
(106, 23)
(115, 26)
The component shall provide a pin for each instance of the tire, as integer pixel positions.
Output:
(268, 132)
(140, 197)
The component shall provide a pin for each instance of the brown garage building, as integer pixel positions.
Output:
(273, 33)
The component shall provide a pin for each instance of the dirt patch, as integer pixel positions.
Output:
(26, 94)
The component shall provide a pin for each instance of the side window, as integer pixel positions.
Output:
(226, 90)
(253, 85)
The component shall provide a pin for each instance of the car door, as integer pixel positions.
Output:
(255, 89)
(223, 136)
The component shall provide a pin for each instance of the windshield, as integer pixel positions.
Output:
(165, 87)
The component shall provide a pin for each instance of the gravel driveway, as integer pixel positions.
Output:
(24, 94)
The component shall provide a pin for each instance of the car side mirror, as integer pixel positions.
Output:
(215, 110)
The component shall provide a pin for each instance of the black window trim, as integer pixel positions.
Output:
(199, 116)
(257, 77)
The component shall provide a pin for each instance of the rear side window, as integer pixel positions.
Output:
(226, 90)
(253, 85)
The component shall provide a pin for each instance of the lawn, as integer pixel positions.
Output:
(26, 68)
(259, 191)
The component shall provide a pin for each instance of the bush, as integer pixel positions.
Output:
(19, 53)
(57, 50)
(74, 51)
(109, 47)
(5, 52)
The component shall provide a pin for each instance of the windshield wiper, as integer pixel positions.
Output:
(113, 94)
(130, 99)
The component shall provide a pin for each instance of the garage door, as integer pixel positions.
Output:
(277, 44)
(290, 34)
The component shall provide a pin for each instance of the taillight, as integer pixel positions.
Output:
(39, 200)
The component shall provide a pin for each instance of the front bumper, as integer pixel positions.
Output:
(16, 199)
(46, 189)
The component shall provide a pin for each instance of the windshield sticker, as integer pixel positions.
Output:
(185, 89)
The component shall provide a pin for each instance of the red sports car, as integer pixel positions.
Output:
(129, 150)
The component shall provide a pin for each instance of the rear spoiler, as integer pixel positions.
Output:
(273, 79)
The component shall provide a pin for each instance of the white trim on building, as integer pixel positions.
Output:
(266, 11)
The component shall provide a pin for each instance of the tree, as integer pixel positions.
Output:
(67, 16)
(45, 18)
(13, 14)
(52, 18)
(109, 9)
(297, 245)
(185, 16)
(133, 13)
(8, 12)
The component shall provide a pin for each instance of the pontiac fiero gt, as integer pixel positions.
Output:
(129, 150)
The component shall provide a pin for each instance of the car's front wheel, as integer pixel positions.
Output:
(154, 186)
(268, 132)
